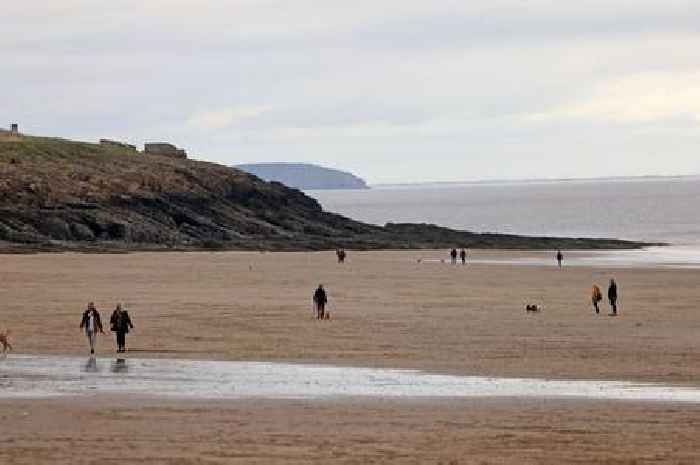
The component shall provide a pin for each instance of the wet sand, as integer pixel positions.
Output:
(388, 311)
(117, 430)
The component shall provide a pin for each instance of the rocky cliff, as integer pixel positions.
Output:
(304, 176)
(63, 195)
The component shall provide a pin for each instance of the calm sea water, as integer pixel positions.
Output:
(648, 209)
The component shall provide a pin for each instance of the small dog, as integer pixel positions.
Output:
(5, 341)
(327, 316)
(532, 308)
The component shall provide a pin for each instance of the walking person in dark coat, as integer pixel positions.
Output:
(463, 256)
(341, 255)
(453, 256)
(120, 323)
(560, 257)
(92, 323)
(612, 296)
(320, 300)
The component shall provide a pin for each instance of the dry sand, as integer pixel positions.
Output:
(387, 310)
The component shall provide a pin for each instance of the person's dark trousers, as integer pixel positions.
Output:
(595, 304)
(613, 304)
(321, 311)
(121, 340)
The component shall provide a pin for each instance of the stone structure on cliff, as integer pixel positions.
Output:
(164, 149)
(12, 134)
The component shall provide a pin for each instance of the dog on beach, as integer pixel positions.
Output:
(532, 308)
(5, 341)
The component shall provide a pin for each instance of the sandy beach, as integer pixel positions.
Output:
(388, 310)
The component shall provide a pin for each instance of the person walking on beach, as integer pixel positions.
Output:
(341, 255)
(120, 323)
(453, 256)
(612, 296)
(596, 297)
(463, 256)
(320, 300)
(560, 257)
(92, 324)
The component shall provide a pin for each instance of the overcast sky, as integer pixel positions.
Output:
(393, 90)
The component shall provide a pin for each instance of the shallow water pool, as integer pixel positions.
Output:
(24, 376)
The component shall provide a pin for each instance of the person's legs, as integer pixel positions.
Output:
(614, 306)
(321, 311)
(120, 341)
(91, 340)
(595, 305)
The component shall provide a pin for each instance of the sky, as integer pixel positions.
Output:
(392, 90)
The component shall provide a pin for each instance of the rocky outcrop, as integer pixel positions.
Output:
(63, 195)
(305, 176)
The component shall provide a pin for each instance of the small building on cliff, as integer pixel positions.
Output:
(12, 134)
(164, 149)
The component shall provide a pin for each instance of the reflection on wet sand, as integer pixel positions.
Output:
(38, 376)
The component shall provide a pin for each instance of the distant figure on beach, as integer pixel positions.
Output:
(596, 297)
(560, 257)
(5, 342)
(320, 300)
(120, 323)
(341, 255)
(92, 324)
(453, 256)
(612, 296)
(463, 256)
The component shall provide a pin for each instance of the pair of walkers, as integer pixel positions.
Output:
(462, 256)
(120, 323)
(597, 296)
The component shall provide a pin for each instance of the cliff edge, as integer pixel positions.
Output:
(58, 194)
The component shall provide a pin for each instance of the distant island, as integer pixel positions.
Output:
(304, 176)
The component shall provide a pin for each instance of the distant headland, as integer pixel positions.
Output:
(304, 176)
(57, 195)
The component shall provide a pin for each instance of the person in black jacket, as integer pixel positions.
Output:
(320, 300)
(612, 296)
(92, 324)
(120, 323)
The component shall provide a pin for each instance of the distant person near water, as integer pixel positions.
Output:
(560, 257)
(341, 255)
(5, 342)
(612, 297)
(453, 256)
(596, 297)
(92, 324)
(320, 301)
(120, 323)
(463, 256)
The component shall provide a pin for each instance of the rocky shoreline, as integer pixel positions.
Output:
(59, 195)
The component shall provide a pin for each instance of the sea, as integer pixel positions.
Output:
(651, 209)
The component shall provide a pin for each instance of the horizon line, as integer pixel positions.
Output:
(535, 180)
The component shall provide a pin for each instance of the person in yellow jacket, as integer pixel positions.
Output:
(596, 296)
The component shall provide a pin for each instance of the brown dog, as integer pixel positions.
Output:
(5, 341)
